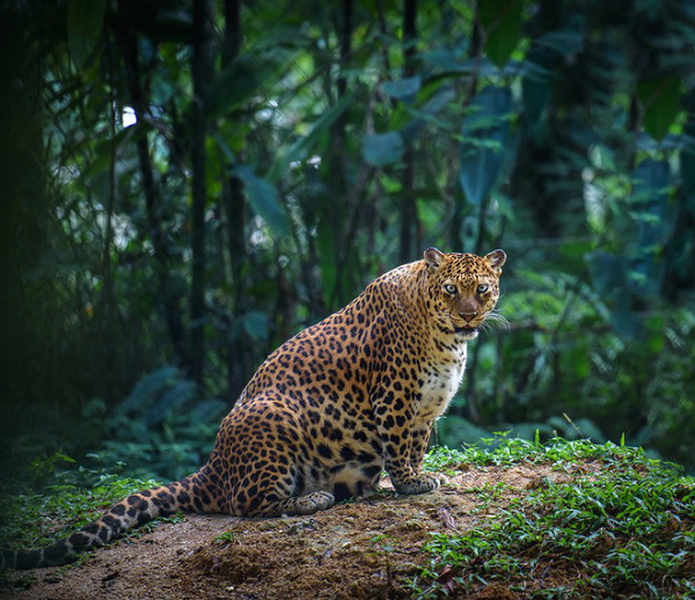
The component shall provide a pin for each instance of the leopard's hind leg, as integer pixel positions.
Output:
(266, 455)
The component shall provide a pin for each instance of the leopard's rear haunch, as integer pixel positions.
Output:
(332, 408)
(192, 493)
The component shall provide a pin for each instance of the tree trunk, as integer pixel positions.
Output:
(410, 231)
(170, 301)
(341, 210)
(202, 69)
(107, 299)
(235, 209)
(26, 214)
(345, 49)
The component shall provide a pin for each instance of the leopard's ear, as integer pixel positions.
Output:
(434, 258)
(495, 260)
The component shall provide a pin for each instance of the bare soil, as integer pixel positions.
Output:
(369, 548)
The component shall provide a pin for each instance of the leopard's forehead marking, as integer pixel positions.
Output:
(467, 266)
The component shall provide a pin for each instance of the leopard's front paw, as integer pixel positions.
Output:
(419, 484)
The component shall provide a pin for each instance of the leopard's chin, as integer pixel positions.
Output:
(466, 332)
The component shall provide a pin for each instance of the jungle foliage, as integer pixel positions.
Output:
(188, 184)
(621, 531)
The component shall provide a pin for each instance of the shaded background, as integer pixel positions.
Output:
(186, 187)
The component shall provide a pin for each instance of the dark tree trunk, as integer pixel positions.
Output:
(475, 52)
(345, 48)
(202, 69)
(233, 35)
(170, 301)
(341, 217)
(336, 214)
(107, 300)
(235, 209)
(410, 231)
(25, 215)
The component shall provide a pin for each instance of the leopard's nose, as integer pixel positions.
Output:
(469, 315)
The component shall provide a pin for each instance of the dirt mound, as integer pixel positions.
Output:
(371, 548)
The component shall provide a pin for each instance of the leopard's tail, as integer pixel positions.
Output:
(193, 493)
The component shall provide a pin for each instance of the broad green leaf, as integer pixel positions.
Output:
(240, 81)
(610, 281)
(255, 323)
(660, 99)
(403, 89)
(325, 241)
(536, 94)
(501, 20)
(623, 320)
(299, 150)
(85, 23)
(650, 197)
(650, 178)
(607, 272)
(391, 185)
(149, 388)
(208, 410)
(565, 42)
(578, 361)
(485, 134)
(383, 148)
(169, 401)
(264, 200)
(407, 122)
(442, 59)
(65, 457)
(537, 87)
(442, 98)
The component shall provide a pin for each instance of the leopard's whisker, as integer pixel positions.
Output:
(495, 317)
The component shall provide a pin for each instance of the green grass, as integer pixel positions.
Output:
(500, 450)
(32, 519)
(626, 528)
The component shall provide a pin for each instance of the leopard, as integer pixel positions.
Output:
(329, 411)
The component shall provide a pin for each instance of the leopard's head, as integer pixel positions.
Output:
(462, 289)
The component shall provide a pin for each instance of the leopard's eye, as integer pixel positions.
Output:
(450, 288)
(482, 288)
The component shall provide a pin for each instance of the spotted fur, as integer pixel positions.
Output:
(331, 408)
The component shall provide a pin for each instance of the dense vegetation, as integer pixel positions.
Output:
(623, 530)
(188, 184)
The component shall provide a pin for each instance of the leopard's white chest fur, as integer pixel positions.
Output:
(441, 380)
